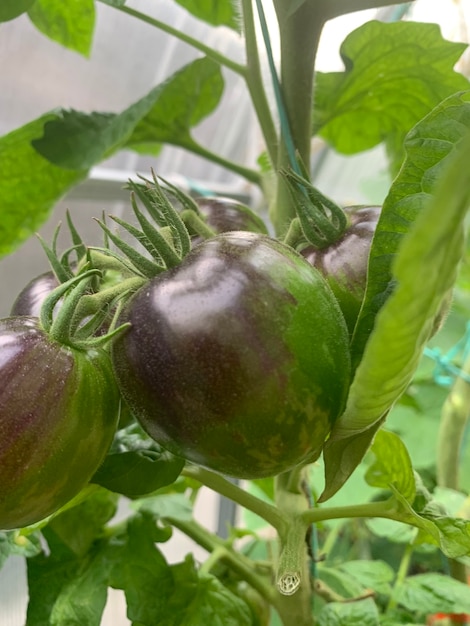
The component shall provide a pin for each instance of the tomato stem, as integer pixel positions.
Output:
(228, 489)
(196, 224)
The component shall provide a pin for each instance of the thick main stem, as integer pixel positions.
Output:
(300, 32)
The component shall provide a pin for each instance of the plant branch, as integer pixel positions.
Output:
(194, 43)
(385, 508)
(224, 487)
(240, 564)
(254, 82)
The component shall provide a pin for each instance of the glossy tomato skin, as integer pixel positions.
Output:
(58, 413)
(237, 359)
(31, 297)
(226, 214)
(344, 263)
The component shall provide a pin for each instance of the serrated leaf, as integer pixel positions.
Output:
(75, 140)
(395, 74)
(360, 613)
(29, 184)
(215, 12)
(423, 273)
(434, 593)
(392, 465)
(9, 9)
(69, 23)
(375, 575)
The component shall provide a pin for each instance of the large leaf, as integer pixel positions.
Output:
(423, 273)
(434, 593)
(29, 184)
(360, 613)
(69, 23)
(395, 74)
(187, 98)
(9, 9)
(75, 140)
(215, 12)
(392, 465)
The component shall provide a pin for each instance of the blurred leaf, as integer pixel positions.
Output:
(375, 575)
(64, 589)
(424, 271)
(114, 3)
(215, 12)
(360, 613)
(69, 23)
(185, 100)
(434, 593)
(392, 465)
(9, 9)
(29, 184)
(175, 595)
(395, 73)
(80, 526)
(12, 542)
(75, 140)
(166, 506)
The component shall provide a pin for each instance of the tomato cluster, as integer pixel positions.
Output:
(236, 359)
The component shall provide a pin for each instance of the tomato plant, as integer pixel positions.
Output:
(297, 362)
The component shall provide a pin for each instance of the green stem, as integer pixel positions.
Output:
(240, 564)
(254, 82)
(224, 487)
(294, 234)
(401, 576)
(194, 43)
(454, 419)
(300, 32)
(293, 576)
(192, 146)
(385, 508)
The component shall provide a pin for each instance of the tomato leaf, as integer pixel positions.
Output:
(434, 593)
(29, 185)
(13, 543)
(9, 9)
(392, 465)
(215, 12)
(376, 575)
(395, 73)
(173, 595)
(423, 273)
(362, 612)
(69, 23)
(75, 140)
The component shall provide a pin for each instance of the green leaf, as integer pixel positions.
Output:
(215, 12)
(392, 465)
(69, 23)
(15, 543)
(114, 3)
(395, 74)
(423, 257)
(77, 140)
(375, 575)
(360, 613)
(9, 9)
(434, 593)
(166, 506)
(80, 526)
(185, 100)
(136, 465)
(29, 184)
(166, 595)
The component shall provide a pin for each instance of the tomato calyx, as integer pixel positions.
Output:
(319, 219)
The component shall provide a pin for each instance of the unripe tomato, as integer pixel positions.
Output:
(344, 263)
(226, 214)
(30, 299)
(238, 358)
(59, 408)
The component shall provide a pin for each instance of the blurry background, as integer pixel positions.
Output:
(129, 58)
